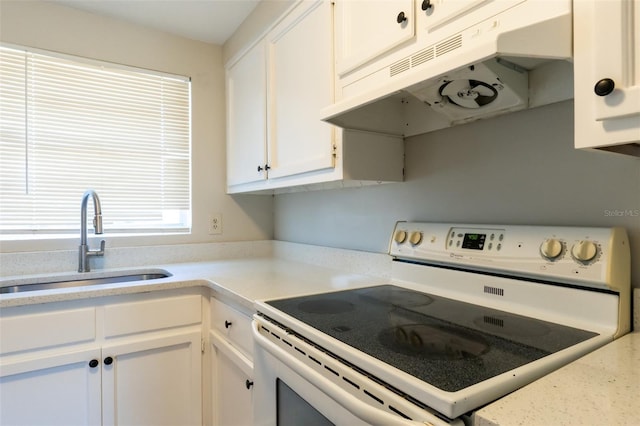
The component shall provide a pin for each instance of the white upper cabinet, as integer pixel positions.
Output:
(365, 30)
(607, 75)
(247, 118)
(300, 73)
(276, 90)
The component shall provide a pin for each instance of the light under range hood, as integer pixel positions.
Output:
(503, 63)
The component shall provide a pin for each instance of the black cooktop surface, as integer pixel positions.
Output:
(444, 342)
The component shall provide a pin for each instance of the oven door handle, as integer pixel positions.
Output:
(365, 412)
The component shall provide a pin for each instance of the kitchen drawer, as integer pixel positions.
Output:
(32, 329)
(235, 326)
(158, 314)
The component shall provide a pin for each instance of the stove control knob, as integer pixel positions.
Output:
(584, 251)
(415, 238)
(551, 248)
(400, 236)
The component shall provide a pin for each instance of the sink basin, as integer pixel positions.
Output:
(19, 286)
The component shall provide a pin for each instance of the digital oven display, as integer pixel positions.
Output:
(474, 241)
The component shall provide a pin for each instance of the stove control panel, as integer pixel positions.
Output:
(596, 257)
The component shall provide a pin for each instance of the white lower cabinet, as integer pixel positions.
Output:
(232, 384)
(60, 389)
(64, 365)
(231, 366)
(153, 381)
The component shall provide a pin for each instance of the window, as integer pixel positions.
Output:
(68, 124)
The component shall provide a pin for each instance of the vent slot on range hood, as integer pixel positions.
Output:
(465, 77)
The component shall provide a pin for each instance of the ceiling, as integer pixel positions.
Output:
(211, 21)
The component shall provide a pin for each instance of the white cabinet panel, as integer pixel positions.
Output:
(57, 327)
(607, 75)
(157, 314)
(300, 76)
(51, 390)
(233, 325)
(616, 53)
(247, 118)
(153, 382)
(365, 30)
(232, 384)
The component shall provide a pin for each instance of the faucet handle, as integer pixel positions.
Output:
(97, 252)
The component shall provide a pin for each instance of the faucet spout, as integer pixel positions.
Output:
(84, 253)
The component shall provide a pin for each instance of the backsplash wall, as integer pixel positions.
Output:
(519, 168)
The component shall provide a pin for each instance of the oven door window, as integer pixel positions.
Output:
(292, 408)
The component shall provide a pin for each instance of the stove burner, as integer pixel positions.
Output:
(326, 306)
(436, 342)
(393, 296)
(511, 326)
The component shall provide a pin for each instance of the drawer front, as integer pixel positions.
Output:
(139, 317)
(235, 326)
(56, 328)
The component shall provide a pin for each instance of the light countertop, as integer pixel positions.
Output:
(601, 388)
(240, 282)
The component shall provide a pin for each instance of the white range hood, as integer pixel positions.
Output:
(513, 60)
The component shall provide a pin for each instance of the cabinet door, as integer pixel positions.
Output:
(232, 383)
(366, 30)
(607, 72)
(300, 85)
(62, 389)
(246, 118)
(153, 382)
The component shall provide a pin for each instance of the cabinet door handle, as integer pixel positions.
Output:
(248, 384)
(260, 168)
(267, 167)
(426, 5)
(604, 86)
(108, 360)
(227, 324)
(93, 363)
(401, 18)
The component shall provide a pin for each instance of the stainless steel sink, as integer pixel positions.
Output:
(79, 281)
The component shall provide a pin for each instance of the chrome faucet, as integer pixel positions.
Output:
(83, 250)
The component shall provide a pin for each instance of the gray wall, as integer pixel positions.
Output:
(519, 168)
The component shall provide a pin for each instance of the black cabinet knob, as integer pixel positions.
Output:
(248, 384)
(401, 18)
(604, 87)
(93, 363)
(227, 324)
(108, 360)
(267, 167)
(260, 168)
(426, 5)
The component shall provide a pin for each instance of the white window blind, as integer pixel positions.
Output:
(67, 125)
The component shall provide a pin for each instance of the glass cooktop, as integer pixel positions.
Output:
(446, 343)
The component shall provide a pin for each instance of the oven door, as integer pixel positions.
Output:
(287, 390)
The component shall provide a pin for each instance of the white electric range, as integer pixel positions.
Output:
(472, 312)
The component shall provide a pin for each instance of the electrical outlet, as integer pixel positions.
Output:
(215, 223)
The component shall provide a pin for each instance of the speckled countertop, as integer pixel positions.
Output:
(602, 388)
(240, 282)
